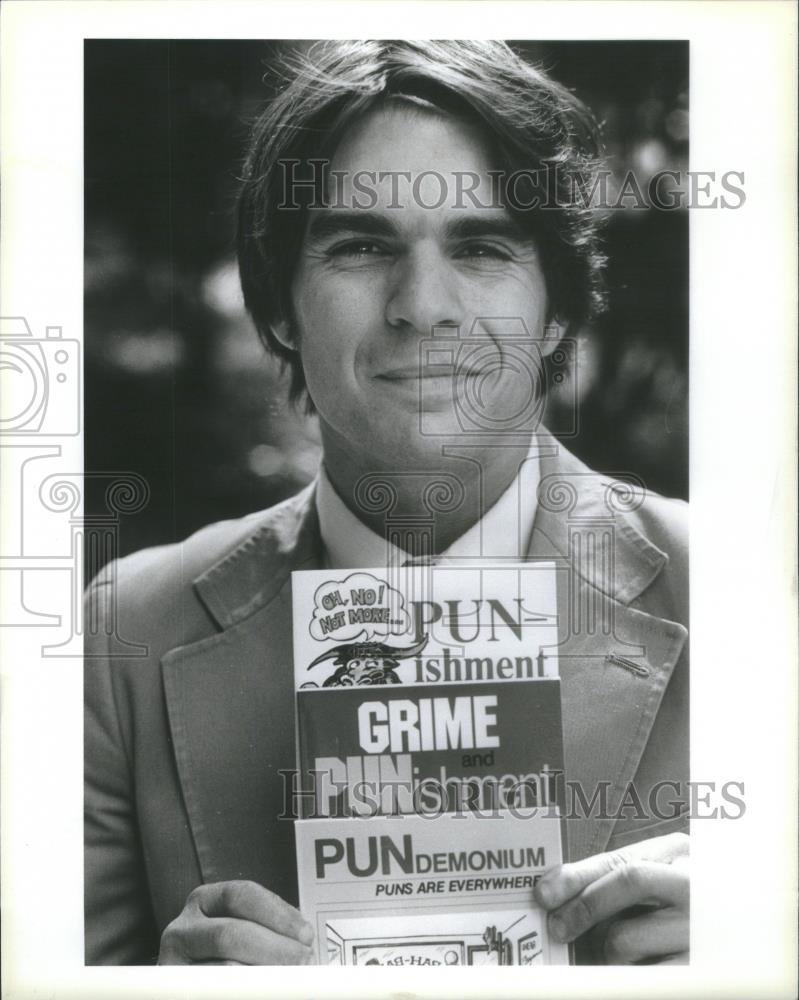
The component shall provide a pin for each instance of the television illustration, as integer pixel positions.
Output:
(491, 937)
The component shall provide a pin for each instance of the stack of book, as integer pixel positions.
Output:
(430, 762)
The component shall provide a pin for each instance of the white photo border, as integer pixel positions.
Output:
(743, 356)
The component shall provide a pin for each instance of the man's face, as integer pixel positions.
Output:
(372, 283)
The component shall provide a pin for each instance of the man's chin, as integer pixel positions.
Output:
(402, 446)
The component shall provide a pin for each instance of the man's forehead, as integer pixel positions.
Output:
(404, 156)
(431, 139)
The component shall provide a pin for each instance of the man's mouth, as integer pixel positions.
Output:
(432, 389)
(417, 374)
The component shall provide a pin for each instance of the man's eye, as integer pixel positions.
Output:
(356, 248)
(483, 251)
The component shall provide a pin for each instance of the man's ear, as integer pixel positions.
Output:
(554, 330)
(281, 331)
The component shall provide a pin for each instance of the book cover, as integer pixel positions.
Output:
(455, 890)
(430, 749)
(424, 625)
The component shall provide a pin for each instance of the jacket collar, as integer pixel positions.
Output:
(248, 578)
(574, 501)
(571, 499)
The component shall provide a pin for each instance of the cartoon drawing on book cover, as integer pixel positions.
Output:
(417, 625)
(512, 938)
(365, 663)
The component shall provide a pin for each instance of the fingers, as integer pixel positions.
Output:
(666, 849)
(252, 902)
(598, 889)
(565, 881)
(634, 883)
(224, 939)
(660, 933)
(239, 923)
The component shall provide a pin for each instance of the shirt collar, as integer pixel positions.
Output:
(503, 532)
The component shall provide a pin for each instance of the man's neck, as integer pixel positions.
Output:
(455, 492)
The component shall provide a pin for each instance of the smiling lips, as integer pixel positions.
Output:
(414, 383)
(416, 374)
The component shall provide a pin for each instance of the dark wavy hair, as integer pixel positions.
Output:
(530, 122)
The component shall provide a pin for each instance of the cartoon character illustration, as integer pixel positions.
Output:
(366, 663)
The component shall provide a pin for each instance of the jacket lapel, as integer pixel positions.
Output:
(615, 661)
(230, 701)
(608, 713)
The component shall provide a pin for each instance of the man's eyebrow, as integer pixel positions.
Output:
(324, 223)
(479, 226)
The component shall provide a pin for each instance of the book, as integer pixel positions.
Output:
(454, 890)
(428, 716)
(430, 749)
(424, 625)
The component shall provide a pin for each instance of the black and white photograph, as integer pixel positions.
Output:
(449, 366)
(363, 527)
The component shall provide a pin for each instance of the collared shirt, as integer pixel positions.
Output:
(502, 533)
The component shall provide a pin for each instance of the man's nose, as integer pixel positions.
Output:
(423, 294)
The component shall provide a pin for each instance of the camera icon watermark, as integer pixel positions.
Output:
(40, 381)
(48, 541)
(494, 381)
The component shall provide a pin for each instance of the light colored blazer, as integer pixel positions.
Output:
(189, 696)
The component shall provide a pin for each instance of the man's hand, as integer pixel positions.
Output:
(636, 899)
(236, 923)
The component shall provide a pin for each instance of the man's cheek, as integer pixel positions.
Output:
(323, 356)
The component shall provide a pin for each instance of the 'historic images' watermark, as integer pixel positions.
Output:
(525, 190)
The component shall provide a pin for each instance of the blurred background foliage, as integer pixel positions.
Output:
(178, 388)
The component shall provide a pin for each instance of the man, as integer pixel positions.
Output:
(393, 206)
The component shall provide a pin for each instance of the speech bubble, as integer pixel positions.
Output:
(361, 606)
